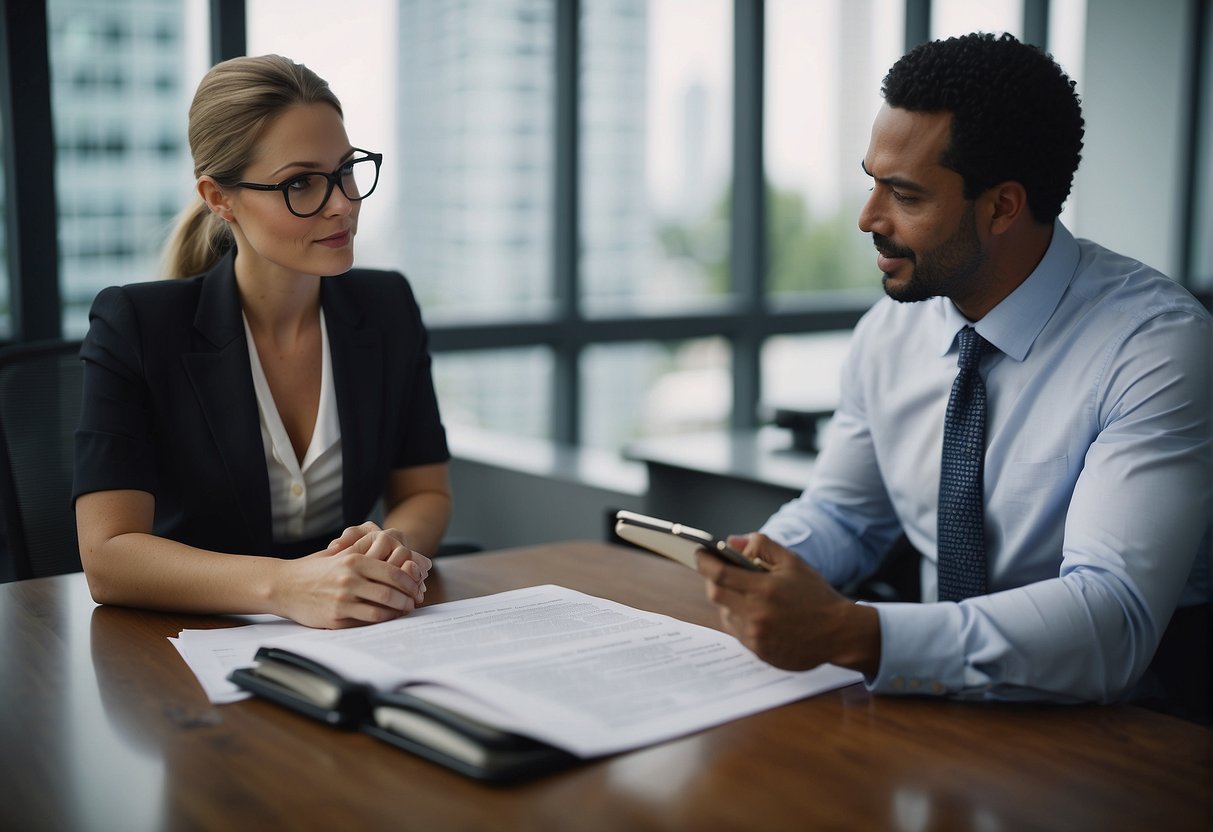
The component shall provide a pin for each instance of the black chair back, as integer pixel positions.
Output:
(40, 387)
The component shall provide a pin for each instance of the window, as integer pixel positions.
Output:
(957, 17)
(655, 115)
(362, 73)
(579, 327)
(459, 98)
(108, 133)
(475, 91)
(505, 391)
(824, 64)
(802, 372)
(644, 389)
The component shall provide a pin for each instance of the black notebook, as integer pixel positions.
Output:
(409, 722)
(524, 682)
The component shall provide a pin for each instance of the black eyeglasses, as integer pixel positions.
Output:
(357, 178)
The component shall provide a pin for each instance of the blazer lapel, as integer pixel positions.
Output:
(357, 357)
(223, 382)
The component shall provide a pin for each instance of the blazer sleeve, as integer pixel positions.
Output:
(423, 438)
(113, 441)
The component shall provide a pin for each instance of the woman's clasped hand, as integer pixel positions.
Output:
(366, 575)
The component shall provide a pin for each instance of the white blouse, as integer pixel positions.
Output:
(305, 499)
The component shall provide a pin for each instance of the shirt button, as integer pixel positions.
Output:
(898, 683)
(937, 687)
(296, 489)
(914, 684)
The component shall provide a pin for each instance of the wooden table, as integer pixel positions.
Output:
(103, 726)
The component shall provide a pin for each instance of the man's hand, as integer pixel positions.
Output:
(790, 616)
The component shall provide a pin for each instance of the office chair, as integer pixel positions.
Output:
(897, 578)
(40, 386)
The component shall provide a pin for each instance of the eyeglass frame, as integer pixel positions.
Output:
(333, 178)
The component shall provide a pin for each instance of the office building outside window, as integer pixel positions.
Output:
(475, 134)
(470, 92)
(824, 64)
(122, 75)
(353, 49)
(474, 92)
(655, 120)
(458, 97)
(504, 390)
(644, 389)
(655, 113)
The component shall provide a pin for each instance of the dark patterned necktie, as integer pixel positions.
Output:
(962, 545)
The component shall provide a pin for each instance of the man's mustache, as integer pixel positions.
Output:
(890, 249)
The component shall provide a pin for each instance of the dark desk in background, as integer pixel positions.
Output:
(103, 726)
(726, 481)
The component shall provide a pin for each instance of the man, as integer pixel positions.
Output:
(1090, 379)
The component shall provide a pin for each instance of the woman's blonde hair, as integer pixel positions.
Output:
(234, 103)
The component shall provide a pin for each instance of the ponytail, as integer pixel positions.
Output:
(199, 239)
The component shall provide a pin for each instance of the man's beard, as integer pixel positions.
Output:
(945, 271)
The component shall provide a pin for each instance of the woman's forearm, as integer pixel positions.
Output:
(422, 518)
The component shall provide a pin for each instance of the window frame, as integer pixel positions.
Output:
(746, 318)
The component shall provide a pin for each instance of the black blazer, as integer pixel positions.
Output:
(169, 405)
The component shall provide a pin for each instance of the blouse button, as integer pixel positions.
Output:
(296, 489)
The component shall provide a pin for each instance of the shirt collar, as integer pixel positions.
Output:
(1013, 325)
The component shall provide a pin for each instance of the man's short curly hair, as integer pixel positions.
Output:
(1015, 114)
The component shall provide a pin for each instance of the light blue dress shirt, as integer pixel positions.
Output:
(1097, 479)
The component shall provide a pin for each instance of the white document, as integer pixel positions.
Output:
(213, 654)
(582, 673)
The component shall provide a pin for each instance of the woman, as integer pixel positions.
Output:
(239, 426)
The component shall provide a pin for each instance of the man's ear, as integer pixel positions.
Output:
(1005, 204)
(214, 197)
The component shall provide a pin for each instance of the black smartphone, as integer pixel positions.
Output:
(678, 542)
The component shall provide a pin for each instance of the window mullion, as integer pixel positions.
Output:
(566, 394)
(918, 23)
(1036, 22)
(30, 208)
(229, 29)
(748, 226)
